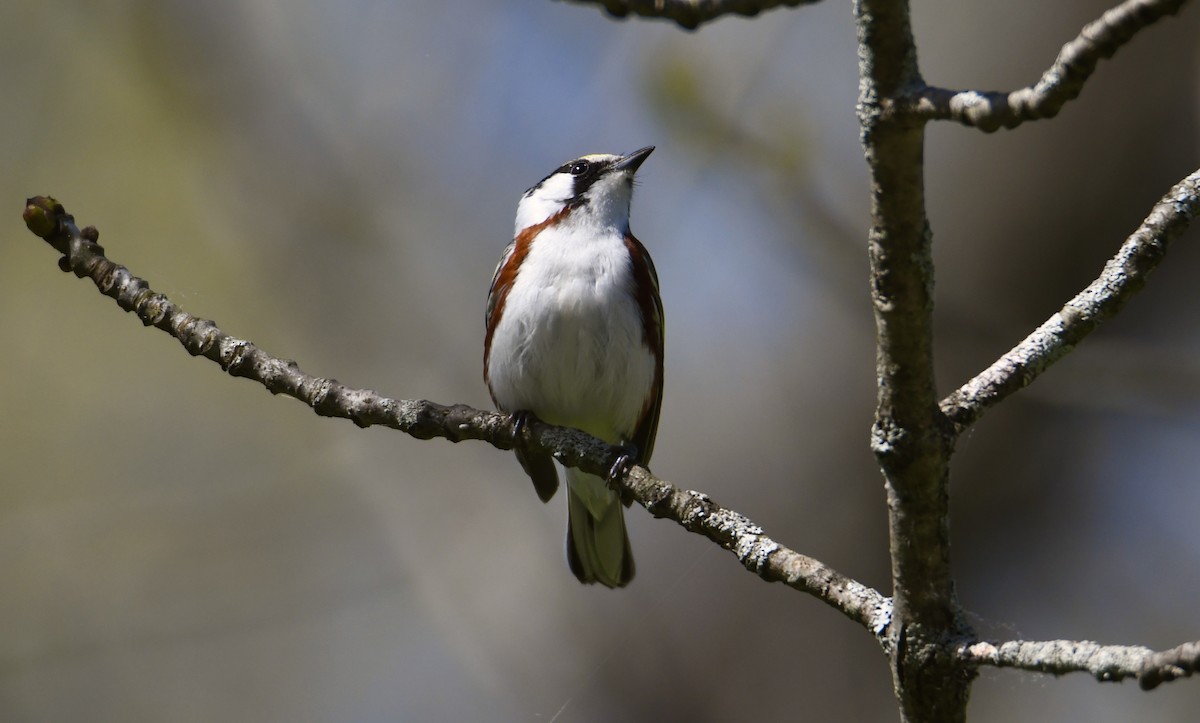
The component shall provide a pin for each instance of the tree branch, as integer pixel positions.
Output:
(690, 14)
(907, 437)
(1106, 663)
(424, 420)
(1168, 665)
(1062, 82)
(1123, 276)
(911, 439)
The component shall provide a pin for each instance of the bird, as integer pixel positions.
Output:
(574, 337)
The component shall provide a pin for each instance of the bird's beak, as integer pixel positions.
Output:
(631, 162)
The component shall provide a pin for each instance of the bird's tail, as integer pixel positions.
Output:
(597, 545)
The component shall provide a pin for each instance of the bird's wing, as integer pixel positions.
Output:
(650, 303)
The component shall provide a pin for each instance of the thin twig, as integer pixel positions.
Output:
(1106, 663)
(690, 14)
(1061, 83)
(1123, 276)
(425, 420)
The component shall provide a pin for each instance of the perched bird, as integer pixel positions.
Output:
(575, 337)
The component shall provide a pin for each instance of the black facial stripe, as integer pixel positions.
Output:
(585, 180)
(594, 170)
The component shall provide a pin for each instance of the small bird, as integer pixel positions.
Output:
(574, 336)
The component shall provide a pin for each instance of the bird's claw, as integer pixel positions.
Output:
(621, 467)
(520, 422)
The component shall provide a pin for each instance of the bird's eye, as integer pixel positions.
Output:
(578, 168)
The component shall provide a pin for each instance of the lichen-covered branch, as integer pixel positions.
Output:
(1061, 83)
(1106, 663)
(690, 14)
(425, 420)
(1123, 276)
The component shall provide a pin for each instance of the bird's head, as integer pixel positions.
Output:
(597, 189)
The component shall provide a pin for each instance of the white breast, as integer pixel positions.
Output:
(569, 346)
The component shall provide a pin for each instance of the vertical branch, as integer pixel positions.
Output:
(911, 438)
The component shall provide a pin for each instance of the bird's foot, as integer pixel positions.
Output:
(620, 468)
(520, 424)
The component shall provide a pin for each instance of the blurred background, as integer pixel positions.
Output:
(336, 182)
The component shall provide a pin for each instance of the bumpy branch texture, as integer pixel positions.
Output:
(691, 13)
(1063, 82)
(1123, 276)
(911, 439)
(1107, 663)
(908, 436)
(425, 420)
